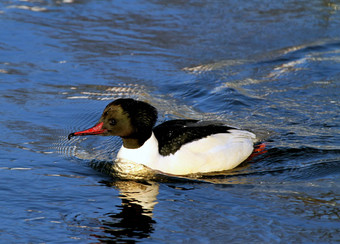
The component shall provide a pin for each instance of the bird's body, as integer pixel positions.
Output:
(177, 147)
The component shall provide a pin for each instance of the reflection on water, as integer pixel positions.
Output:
(131, 219)
(135, 217)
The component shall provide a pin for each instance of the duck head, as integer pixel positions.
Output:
(127, 118)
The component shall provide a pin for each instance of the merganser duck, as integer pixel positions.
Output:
(176, 147)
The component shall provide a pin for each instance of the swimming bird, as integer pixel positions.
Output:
(176, 147)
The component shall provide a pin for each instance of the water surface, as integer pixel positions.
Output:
(270, 67)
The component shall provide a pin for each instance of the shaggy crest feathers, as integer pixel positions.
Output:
(143, 116)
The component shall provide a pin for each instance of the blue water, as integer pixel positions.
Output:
(270, 67)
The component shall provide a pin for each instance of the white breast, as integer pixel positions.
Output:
(147, 154)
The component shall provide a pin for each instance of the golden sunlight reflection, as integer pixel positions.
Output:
(31, 8)
(105, 92)
(213, 66)
(291, 66)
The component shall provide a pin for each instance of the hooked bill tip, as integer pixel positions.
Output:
(70, 136)
(95, 130)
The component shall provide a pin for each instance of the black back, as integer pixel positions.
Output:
(172, 134)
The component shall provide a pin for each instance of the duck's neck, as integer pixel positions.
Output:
(136, 141)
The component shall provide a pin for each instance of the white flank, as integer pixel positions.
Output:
(213, 153)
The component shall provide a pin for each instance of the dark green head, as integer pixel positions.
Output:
(130, 119)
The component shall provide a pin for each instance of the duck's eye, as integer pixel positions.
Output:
(112, 122)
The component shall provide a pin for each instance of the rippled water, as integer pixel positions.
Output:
(270, 67)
